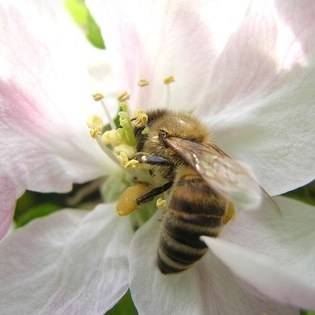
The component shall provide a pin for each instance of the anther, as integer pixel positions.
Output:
(140, 119)
(123, 96)
(98, 96)
(169, 80)
(143, 82)
(95, 124)
(161, 203)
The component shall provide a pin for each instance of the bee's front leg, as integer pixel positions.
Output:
(152, 159)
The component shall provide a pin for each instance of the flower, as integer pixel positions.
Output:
(250, 80)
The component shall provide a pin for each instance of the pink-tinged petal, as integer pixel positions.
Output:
(263, 274)
(263, 96)
(71, 262)
(207, 288)
(286, 241)
(152, 40)
(45, 99)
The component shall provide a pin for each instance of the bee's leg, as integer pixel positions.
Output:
(152, 159)
(152, 193)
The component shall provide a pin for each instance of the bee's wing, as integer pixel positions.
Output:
(229, 178)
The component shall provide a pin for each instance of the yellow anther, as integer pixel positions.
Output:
(143, 82)
(169, 80)
(127, 149)
(132, 164)
(95, 132)
(123, 96)
(123, 159)
(161, 203)
(140, 120)
(111, 137)
(98, 96)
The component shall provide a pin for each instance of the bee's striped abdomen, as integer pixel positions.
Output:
(193, 210)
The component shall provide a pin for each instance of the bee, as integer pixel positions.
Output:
(204, 185)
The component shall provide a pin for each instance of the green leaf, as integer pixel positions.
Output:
(305, 194)
(36, 212)
(81, 15)
(124, 307)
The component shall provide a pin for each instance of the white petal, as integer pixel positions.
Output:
(153, 40)
(45, 98)
(263, 94)
(207, 288)
(66, 263)
(275, 251)
(263, 274)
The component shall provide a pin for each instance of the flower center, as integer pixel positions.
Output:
(117, 139)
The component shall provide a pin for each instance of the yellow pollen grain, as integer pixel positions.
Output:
(143, 82)
(123, 96)
(161, 203)
(169, 80)
(97, 96)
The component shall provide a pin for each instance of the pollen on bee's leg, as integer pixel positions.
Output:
(127, 202)
(229, 212)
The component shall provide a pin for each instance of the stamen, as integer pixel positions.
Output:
(98, 97)
(111, 137)
(123, 96)
(140, 119)
(108, 152)
(129, 150)
(167, 81)
(123, 159)
(161, 203)
(132, 163)
(95, 123)
(143, 82)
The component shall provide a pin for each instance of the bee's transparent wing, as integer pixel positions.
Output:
(230, 178)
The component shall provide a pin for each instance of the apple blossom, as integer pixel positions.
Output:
(247, 73)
